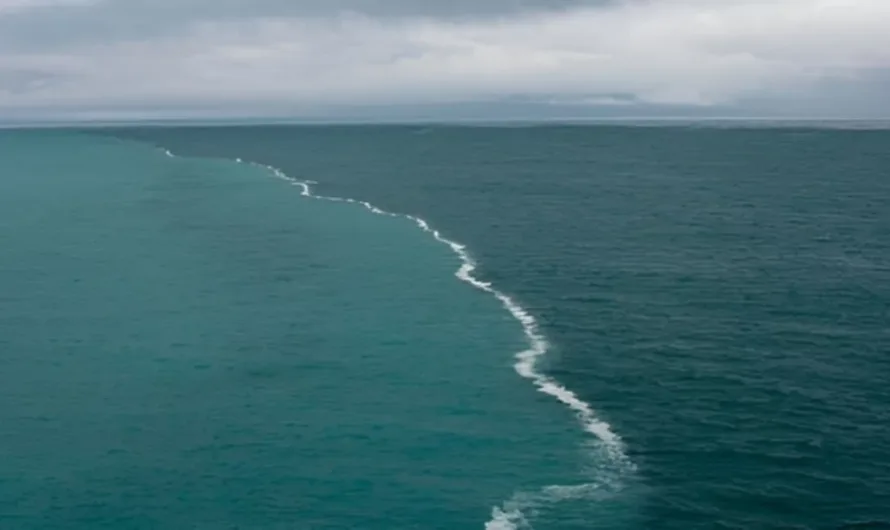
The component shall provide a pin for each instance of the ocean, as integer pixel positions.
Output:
(262, 327)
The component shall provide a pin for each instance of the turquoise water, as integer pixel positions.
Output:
(193, 342)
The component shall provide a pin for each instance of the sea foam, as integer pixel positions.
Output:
(510, 515)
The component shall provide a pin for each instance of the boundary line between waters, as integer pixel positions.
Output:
(510, 517)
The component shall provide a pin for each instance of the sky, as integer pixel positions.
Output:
(135, 59)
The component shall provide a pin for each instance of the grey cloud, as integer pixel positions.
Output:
(22, 81)
(89, 56)
(47, 26)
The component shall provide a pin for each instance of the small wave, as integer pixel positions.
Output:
(510, 515)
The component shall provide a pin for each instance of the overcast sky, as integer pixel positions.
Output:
(106, 58)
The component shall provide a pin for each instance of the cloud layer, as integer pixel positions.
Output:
(175, 54)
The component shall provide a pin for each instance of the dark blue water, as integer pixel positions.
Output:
(719, 296)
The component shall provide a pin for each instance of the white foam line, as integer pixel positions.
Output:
(526, 360)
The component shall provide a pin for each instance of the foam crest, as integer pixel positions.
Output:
(506, 520)
(578, 492)
(510, 516)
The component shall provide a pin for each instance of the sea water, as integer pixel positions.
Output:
(717, 292)
(550, 327)
(197, 343)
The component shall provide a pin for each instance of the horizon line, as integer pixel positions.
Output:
(493, 122)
